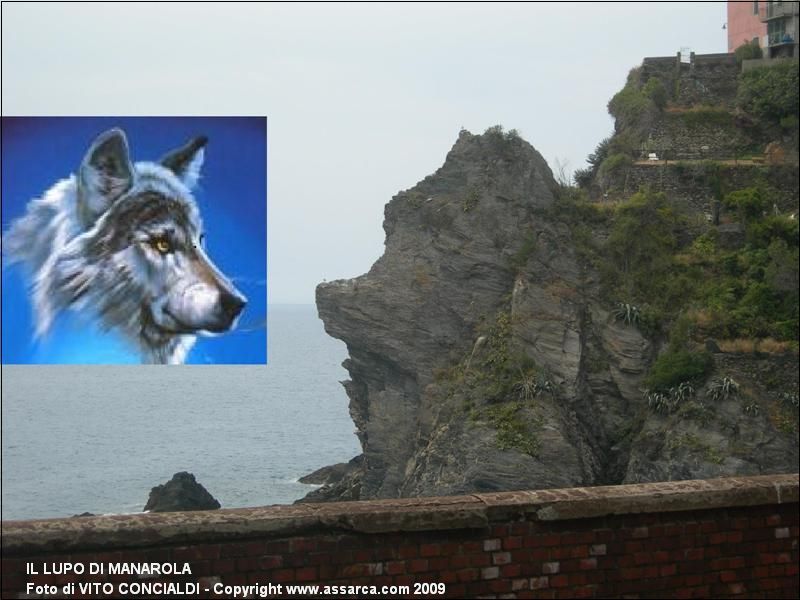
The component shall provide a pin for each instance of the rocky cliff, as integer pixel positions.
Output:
(483, 355)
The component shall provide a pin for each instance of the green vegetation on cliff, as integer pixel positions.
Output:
(498, 387)
(639, 252)
(771, 93)
(649, 260)
(637, 104)
(676, 366)
(689, 279)
(748, 50)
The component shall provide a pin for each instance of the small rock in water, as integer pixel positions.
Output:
(182, 492)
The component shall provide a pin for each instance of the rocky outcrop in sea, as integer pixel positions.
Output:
(182, 492)
(482, 356)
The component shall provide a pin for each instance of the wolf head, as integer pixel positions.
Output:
(139, 259)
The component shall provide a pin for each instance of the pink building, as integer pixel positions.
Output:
(745, 24)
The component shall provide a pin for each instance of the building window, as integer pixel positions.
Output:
(755, 7)
(776, 30)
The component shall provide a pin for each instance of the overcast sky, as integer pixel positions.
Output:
(363, 100)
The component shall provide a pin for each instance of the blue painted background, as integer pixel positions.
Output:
(37, 152)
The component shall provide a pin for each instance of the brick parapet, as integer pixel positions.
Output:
(721, 537)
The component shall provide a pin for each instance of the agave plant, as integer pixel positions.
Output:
(722, 389)
(627, 313)
(531, 385)
(669, 401)
(658, 402)
(544, 386)
(790, 398)
(684, 391)
(526, 387)
(673, 400)
(751, 409)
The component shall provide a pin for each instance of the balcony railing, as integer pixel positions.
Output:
(775, 10)
(778, 39)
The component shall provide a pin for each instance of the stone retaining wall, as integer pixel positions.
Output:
(673, 135)
(705, 79)
(694, 185)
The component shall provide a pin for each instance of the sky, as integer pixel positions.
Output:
(363, 100)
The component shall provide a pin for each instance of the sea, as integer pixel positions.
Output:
(97, 438)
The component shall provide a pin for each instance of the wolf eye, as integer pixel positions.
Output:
(162, 245)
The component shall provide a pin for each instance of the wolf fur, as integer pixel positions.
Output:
(123, 242)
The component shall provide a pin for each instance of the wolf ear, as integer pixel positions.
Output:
(187, 160)
(105, 174)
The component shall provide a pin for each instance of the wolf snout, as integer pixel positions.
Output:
(232, 304)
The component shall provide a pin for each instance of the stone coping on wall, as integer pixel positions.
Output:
(473, 511)
(725, 57)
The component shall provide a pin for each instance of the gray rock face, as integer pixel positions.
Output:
(471, 244)
(332, 473)
(182, 492)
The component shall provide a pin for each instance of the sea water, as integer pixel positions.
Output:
(98, 438)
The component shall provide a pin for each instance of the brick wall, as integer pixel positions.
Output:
(716, 538)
